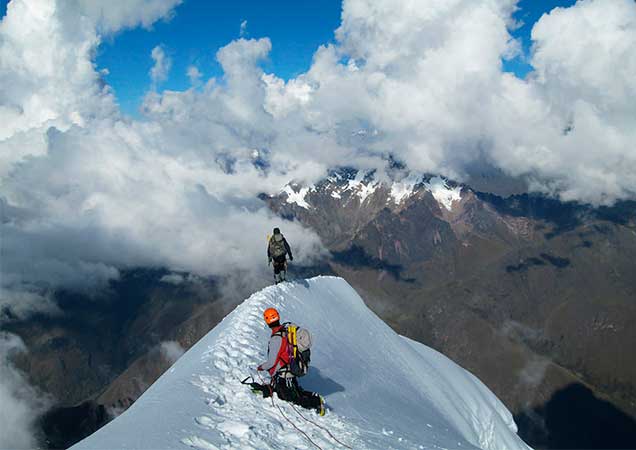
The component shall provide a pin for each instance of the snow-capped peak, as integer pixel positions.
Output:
(400, 190)
(382, 390)
(297, 197)
(363, 184)
(444, 194)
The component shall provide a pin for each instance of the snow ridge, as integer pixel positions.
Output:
(234, 352)
(383, 391)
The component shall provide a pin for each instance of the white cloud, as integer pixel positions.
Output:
(173, 278)
(282, 97)
(47, 76)
(243, 29)
(572, 126)
(428, 81)
(21, 403)
(194, 75)
(171, 351)
(113, 16)
(161, 68)
(178, 189)
(47, 79)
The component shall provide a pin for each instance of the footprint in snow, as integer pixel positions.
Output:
(197, 442)
(205, 421)
(234, 428)
(221, 365)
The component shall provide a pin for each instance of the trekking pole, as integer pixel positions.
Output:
(322, 428)
(286, 418)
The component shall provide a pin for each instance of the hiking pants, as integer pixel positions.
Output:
(280, 264)
(289, 390)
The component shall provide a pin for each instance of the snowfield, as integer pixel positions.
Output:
(383, 391)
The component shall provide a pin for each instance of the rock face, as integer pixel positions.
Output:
(529, 293)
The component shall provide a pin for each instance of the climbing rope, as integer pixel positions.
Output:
(321, 427)
(271, 392)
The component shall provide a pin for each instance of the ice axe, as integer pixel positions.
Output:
(256, 387)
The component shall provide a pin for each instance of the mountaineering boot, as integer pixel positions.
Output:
(283, 275)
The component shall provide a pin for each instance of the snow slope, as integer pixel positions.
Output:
(384, 391)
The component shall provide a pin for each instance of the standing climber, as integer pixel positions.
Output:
(277, 251)
(283, 382)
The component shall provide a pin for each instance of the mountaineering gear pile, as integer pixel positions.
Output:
(277, 250)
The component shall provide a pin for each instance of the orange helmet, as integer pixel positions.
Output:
(270, 315)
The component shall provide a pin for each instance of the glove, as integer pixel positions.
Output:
(269, 261)
(291, 258)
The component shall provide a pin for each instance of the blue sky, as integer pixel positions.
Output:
(200, 27)
(530, 11)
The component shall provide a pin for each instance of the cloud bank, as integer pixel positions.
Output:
(86, 192)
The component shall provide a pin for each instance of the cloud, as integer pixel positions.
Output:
(173, 278)
(47, 76)
(171, 351)
(178, 188)
(194, 75)
(47, 83)
(578, 106)
(533, 373)
(21, 404)
(243, 29)
(161, 68)
(120, 14)
(421, 85)
(125, 200)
